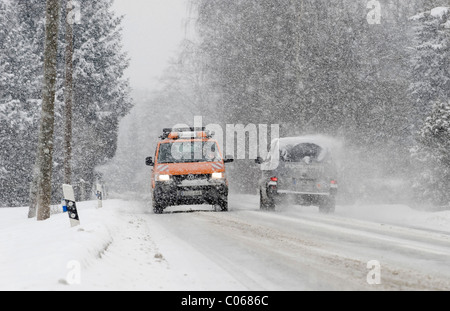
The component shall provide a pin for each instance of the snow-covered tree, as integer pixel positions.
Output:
(19, 106)
(430, 90)
(430, 61)
(432, 158)
(101, 98)
(101, 93)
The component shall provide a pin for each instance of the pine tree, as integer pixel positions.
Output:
(19, 106)
(430, 91)
(430, 61)
(101, 93)
(104, 94)
(432, 158)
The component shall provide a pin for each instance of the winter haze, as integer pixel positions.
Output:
(152, 32)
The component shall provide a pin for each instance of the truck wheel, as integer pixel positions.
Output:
(158, 208)
(223, 204)
(327, 205)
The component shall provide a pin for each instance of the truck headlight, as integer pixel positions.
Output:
(218, 175)
(162, 177)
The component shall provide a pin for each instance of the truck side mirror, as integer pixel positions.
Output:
(149, 161)
(228, 159)
(259, 160)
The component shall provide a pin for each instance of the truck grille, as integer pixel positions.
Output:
(181, 178)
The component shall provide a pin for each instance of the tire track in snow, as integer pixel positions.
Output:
(342, 251)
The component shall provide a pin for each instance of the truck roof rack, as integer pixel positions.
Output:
(167, 131)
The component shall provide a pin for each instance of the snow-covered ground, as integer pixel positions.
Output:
(114, 248)
(124, 246)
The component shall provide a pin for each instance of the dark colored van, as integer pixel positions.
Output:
(301, 169)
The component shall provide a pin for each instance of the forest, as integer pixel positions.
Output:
(102, 95)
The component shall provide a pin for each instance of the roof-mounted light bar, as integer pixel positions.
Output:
(186, 133)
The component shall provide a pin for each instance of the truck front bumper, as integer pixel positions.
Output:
(178, 194)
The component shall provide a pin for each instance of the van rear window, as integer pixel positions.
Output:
(297, 153)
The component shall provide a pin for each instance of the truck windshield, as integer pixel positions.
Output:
(187, 152)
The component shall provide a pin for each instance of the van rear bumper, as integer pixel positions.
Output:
(303, 193)
(279, 195)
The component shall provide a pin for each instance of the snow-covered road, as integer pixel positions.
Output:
(296, 248)
(124, 246)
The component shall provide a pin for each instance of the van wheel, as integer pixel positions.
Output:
(265, 204)
(327, 205)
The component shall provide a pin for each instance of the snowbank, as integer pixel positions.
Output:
(38, 255)
(118, 247)
(398, 214)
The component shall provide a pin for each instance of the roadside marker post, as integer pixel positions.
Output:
(64, 206)
(99, 196)
(71, 205)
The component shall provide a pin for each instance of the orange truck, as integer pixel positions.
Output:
(188, 169)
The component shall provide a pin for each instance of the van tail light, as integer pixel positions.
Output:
(273, 184)
(334, 182)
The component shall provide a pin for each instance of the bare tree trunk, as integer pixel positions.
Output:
(33, 192)
(45, 145)
(68, 95)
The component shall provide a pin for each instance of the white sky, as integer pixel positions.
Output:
(152, 31)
